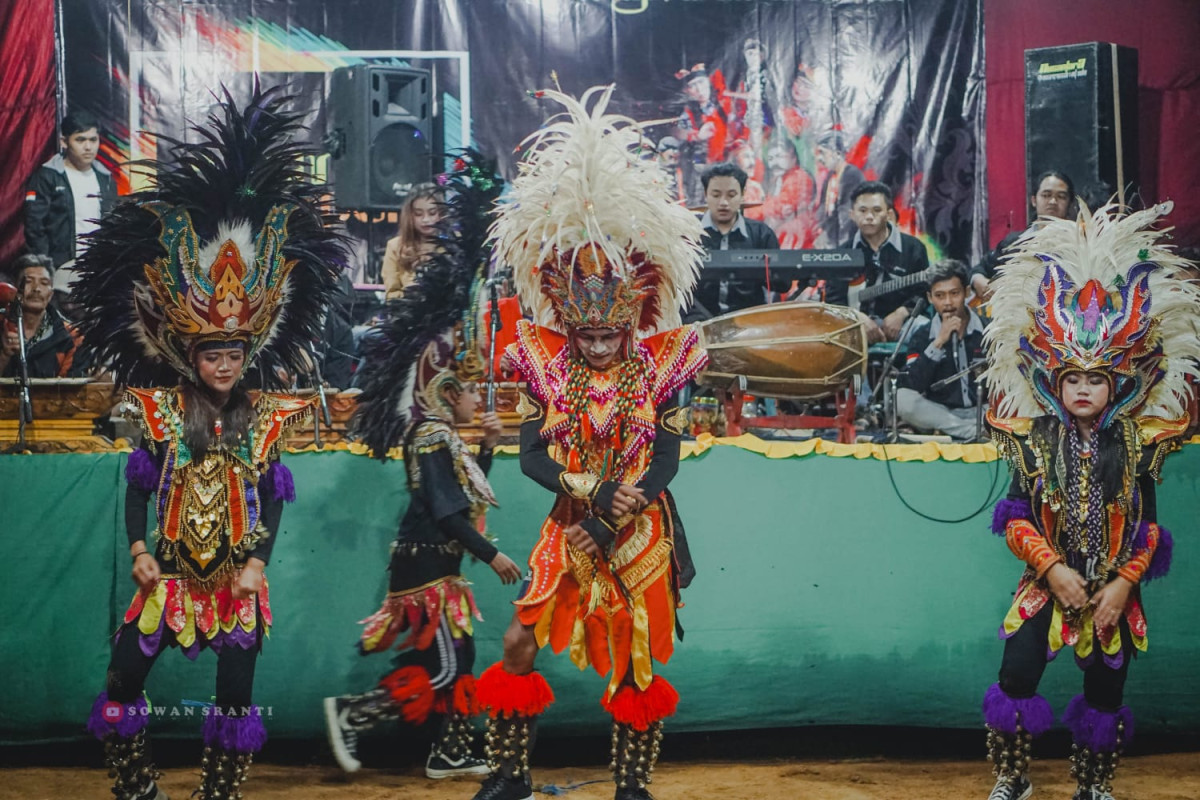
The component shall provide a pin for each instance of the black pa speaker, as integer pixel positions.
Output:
(379, 134)
(1081, 117)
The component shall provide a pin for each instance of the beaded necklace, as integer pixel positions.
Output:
(607, 462)
(1084, 506)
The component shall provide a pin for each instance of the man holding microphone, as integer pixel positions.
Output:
(930, 396)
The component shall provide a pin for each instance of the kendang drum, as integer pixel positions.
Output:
(798, 350)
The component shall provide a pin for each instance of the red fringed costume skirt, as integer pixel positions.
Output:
(615, 616)
(418, 612)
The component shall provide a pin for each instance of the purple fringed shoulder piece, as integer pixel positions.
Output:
(1096, 729)
(141, 470)
(280, 483)
(1160, 564)
(240, 734)
(1006, 511)
(1004, 713)
(123, 719)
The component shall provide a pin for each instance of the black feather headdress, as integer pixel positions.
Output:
(234, 243)
(430, 336)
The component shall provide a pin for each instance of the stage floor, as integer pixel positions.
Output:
(1156, 777)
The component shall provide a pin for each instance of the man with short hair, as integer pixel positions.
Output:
(725, 228)
(50, 340)
(1054, 197)
(890, 255)
(942, 348)
(69, 193)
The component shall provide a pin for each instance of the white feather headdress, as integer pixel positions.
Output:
(590, 228)
(1099, 293)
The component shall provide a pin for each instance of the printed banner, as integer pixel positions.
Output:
(809, 97)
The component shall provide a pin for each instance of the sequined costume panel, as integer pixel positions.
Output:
(209, 513)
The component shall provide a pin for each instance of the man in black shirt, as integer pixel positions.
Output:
(890, 255)
(1054, 197)
(725, 228)
(941, 349)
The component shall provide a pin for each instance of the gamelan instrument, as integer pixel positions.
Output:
(798, 350)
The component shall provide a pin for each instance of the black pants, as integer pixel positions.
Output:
(446, 659)
(129, 668)
(1025, 657)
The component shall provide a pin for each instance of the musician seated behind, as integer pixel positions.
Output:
(890, 255)
(50, 339)
(725, 228)
(1054, 198)
(940, 349)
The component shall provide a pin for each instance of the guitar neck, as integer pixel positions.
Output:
(867, 295)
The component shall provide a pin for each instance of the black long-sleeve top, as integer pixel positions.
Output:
(436, 527)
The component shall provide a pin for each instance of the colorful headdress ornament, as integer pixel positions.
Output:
(232, 247)
(431, 337)
(1098, 294)
(590, 228)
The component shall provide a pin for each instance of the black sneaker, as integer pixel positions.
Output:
(1091, 794)
(1009, 787)
(439, 765)
(624, 793)
(343, 739)
(498, 787)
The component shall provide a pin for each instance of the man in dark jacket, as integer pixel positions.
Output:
(947, 345)
(69, 193)
(726, 228)
(50, 340)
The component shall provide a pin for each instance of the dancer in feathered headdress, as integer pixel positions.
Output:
(228, 259)
(606, 261)
(421, 381)
(1093, 339)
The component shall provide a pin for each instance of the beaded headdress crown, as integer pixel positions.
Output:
(589, 227)
(234, 244)
(1100, 294)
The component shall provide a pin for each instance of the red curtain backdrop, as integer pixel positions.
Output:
(27, 109)
(1165, 33)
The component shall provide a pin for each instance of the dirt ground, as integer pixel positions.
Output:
(1152, 777)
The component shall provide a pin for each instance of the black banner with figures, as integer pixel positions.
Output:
(809, 97)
